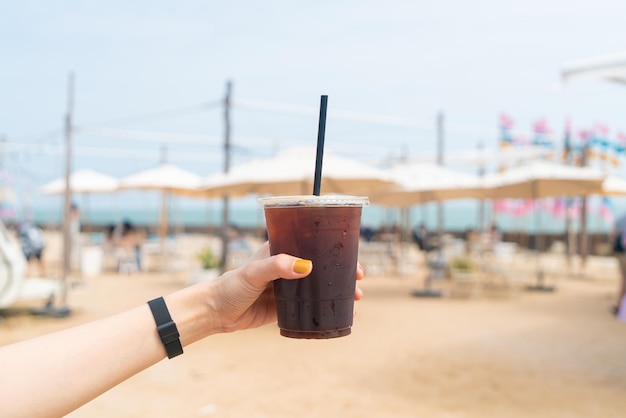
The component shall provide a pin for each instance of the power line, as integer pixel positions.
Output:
(179, 138)
(107, 152)
(283, 108)
(163, 114)
(422, 124)
(145, 136)
(38, 137)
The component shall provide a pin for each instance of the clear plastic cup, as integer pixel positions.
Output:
(323, 229)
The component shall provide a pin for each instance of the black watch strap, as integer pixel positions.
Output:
(166, 327)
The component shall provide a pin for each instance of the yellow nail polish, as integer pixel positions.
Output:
(302, 266)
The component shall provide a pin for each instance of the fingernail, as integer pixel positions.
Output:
(302, 266)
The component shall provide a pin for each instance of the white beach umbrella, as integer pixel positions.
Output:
(540, 179)
(614, 186)
(166, 178)
(610, 67)
(84, 181)
(293, 171)
(424, 182)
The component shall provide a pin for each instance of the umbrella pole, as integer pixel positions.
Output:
(404, 238)
(436, 268)
(225, 233)
(163, 226)
(539, 244)
(584, 234)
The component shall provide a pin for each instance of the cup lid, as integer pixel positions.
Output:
(312, 200)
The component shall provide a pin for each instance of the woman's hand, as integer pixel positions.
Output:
(244, 298)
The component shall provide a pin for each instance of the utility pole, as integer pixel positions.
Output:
(225, 213)
(67, 210)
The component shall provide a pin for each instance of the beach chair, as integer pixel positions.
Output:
(377, 258)
(502, 276)
(126, 260)
(14, 287)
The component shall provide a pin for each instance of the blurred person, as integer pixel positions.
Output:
(367, 232)
(132, 238)
(618, 237)
(472, 242)
(420, 236)
(33, 245)
(237, 239)
(495, 237)
(90, 359)
(129, 240)
(110, 247)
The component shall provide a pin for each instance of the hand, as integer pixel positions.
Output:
(244, 297)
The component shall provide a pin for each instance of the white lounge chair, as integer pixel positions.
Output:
(14, 287)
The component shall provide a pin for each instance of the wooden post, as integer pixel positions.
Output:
(584, 236)
(481, 204)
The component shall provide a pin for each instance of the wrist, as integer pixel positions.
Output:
(191, 310)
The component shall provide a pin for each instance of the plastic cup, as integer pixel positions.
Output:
(325, 230)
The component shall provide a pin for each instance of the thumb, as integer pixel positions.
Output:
(259, 273)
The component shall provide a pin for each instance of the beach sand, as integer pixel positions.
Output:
(559, 354)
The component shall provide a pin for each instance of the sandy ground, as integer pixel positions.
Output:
(555, 354)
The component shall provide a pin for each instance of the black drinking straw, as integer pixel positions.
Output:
(321, 131)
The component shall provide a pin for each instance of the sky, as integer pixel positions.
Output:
(406, 60)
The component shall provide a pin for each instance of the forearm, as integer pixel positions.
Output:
(56, 373)
(50, 376)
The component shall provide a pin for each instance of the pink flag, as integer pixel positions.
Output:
(506, 121)
(606, 211)
(541, 126)
(559, 208)
(501, 206)
(574, 210)
(602, 129)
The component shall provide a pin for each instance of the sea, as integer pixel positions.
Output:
(456, 216)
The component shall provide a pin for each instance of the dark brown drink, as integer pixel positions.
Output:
(324, 230)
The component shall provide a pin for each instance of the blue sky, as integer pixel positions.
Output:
(406, 59)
